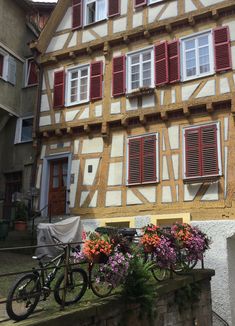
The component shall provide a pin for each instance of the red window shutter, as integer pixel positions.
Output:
(114, 8)
(192, 153)
(59, 85)
(161, 63)
(209, 150)
(149, 159)
(222, 49)
(119, 75)
(134, 159)
(77, 13)
(1, 64)
(32, 73)
(139, 3)
(174, 61)
(96, 80)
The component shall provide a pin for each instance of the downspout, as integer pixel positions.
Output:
(36, 135)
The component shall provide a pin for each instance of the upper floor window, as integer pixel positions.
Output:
(95, 10)
(31, 77)
(197, 56)
(24, 129)
(78, 85)
(7, 67)
(83, 83)
(140, 70)
(142, 159)
(86, 12)
(202, 157)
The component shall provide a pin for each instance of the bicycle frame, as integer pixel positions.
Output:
(46, 279)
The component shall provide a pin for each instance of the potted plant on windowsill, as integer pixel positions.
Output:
(21, 216)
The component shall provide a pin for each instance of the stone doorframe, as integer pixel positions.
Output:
(46, 177)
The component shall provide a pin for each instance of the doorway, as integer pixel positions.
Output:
(58, 186)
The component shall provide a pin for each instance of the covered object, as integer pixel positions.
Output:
(68, 230)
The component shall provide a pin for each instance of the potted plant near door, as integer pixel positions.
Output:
(21, 216)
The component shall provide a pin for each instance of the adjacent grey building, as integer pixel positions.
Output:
(20, 23)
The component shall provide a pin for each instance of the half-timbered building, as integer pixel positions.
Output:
(136, 118)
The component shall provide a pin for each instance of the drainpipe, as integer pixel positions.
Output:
(36, 126)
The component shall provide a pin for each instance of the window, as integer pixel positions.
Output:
(202, 156)
(197, 56)
(140, 70)
(78, 85)
(95, 10)
(142, 159)
(86, 12)
(1, 64)
(31, 77)
(7, 67)
(24, 128)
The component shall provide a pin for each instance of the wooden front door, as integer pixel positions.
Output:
(57, 187)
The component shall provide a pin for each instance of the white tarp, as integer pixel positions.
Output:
(69, 230)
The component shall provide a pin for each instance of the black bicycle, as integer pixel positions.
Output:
(33, 287)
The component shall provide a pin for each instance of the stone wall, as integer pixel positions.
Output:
(113, 311)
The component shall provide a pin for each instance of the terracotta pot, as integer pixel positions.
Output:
(20, 226)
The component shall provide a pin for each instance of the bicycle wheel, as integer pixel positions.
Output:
(23, 297)
(76, 287)
(182, 264)
(160, 274)
(99, 283)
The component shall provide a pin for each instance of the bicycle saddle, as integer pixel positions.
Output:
(39, 257)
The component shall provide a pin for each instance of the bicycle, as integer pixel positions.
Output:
(97, 281)
(27, 290)
(180, 266)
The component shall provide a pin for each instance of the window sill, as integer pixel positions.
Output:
(70, 105)
(85, 26)
(140, 91)
(24, 142)
(205, 179)
(186, 79)
(155, 3)
(29, 86)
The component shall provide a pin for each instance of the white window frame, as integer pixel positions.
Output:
(183, 56)
(18, 132)
(217, 123)
(68, 83)
(26, 73)
(86, 2)
(157, 158)
(128, 68)
(5, 64)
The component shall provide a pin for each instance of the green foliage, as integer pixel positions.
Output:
(21, 211)
(139, 287)
(187, 296)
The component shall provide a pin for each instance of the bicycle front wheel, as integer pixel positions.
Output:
(76, 286)
(100, 285)
(23, 297)
(160, 274)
